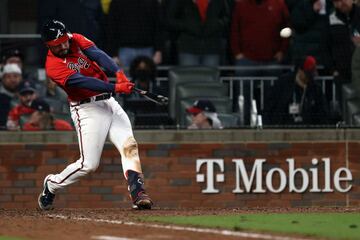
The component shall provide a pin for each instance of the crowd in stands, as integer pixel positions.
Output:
(141, 35)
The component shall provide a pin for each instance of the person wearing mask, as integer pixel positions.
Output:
(143, 74)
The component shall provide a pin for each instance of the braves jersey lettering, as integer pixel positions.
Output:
(81, 63)
(60, 69)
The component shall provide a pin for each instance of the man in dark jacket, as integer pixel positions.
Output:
(84, 17)
(134, 29)
(344, 27)
(309, 20)
(296, 99)
(201, 26)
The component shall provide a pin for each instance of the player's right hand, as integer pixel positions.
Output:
(124, 87)
(121, 77)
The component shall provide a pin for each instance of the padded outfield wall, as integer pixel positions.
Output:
(228, 168)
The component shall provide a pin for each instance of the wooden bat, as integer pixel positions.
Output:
(159, 99)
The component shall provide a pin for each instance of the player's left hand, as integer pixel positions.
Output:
(121, 77)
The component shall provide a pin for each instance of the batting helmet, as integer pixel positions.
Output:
(54, 33)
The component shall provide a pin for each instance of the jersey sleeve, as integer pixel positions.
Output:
(82, 41)
(58, 71)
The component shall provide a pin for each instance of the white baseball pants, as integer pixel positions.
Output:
(93, 122)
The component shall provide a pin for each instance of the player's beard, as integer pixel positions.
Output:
(63, 53)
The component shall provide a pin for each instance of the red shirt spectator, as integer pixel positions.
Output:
(255, 30)
(26, 95)
(41, 119)
(58, 124)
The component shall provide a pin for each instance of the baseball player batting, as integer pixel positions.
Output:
(73, 62)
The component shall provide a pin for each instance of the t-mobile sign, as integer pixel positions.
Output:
(252, 180)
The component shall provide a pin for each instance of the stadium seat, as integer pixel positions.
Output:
(179, 75)
(228, 120)
(356, 119)
(348, 92)
(57, 106)
(353, 107)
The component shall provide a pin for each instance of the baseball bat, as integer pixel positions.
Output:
(159, 99)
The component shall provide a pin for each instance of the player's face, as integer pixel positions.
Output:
(60, 50)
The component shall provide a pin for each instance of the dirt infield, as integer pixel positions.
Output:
(124, 224)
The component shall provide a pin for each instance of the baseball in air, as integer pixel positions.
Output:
(285, 32)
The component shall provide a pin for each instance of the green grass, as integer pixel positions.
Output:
(328, 225)
(10, 238)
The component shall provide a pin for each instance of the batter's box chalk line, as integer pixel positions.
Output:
(179, 228)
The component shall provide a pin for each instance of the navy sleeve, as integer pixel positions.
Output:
(81, 81)
(99, 56)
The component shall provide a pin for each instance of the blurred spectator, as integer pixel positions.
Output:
(134, 29)
(13, 56)
(355, 69)
(256, 42)
(54, 96)
(344, 36)
(301, 100)
(11, 78)
(41, 119)
(145, 112)
(290, 4)
(105, 5)
(255, 33)
(309, 20)
(17, 57)
(84, 17)
(27, 94)
(203, 115)
(143, 74)
(81, 16)
(201, 26)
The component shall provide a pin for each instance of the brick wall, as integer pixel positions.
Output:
(171, 175)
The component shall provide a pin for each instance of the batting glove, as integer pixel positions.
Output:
(121, 77)
(124, 87)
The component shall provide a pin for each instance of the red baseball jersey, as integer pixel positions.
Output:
(60, 69)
